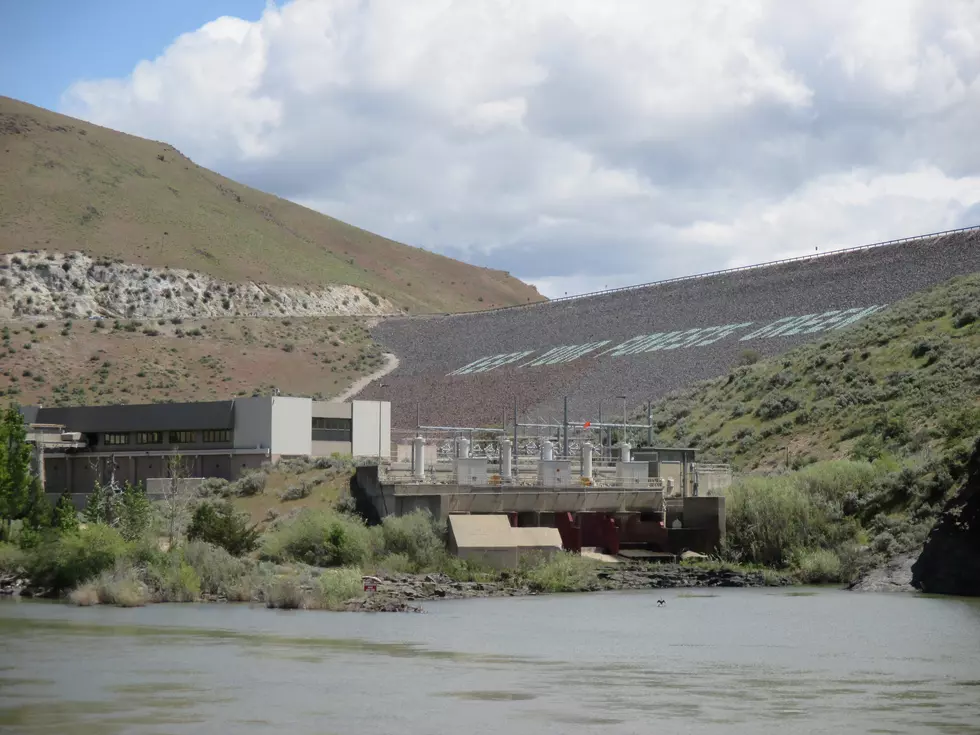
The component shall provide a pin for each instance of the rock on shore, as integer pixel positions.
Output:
(950, 561)
(403, 592)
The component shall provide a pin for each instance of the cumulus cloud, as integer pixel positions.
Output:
(580, 144)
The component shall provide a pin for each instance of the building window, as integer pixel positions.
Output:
(331, 430)
(181, 437)
(212, 436)
(115, 439)
(149, 437)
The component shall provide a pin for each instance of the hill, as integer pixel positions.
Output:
(643, 343)
(81, 362)
(905, 381)
(67, 185)
(850, 447)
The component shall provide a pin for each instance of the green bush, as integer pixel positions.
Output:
(561, 572)
(65, 517)
(172, 579)
(417, 536)
(334, 587)
(220, 524)
(285, 593)
(64, 562)
(12, 558)
(769, 518)
(221, 575)
(320, 538)
(817, 566)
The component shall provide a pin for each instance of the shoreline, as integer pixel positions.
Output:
(403, 592)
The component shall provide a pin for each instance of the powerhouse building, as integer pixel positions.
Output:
(135, 443)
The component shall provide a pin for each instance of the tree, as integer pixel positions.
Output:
(37, 509)
(15, 471)
(134, 512)
(177, 498)
(220, 524)
(65, 517)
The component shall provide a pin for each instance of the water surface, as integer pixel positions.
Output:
(725, 661)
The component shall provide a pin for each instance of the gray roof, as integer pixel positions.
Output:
(146, 417)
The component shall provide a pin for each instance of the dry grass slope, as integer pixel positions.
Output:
(66, 184)
(83, 362)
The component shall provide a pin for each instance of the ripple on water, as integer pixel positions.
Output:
(490, 695)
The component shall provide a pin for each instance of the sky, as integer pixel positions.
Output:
(576, 144)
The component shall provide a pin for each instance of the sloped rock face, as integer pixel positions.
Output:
(950, 561)
(73, 285)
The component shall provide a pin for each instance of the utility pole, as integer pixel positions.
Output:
(517, 454)
(649, 423)
(564, 446)
(622, 439)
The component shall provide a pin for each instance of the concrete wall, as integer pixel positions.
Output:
(327, 410)
(253, 422)
(325, 449)
(292, 426)
(365, 415)
(706, 513)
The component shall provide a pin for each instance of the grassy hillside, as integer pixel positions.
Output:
(83, 362)
(66, 185)
(905, 381)
(849, 447)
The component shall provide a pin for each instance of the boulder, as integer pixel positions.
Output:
(950, 560)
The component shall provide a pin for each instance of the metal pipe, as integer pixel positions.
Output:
(649, 423)
(517, 451)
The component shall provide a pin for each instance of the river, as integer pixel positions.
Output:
(720, 661)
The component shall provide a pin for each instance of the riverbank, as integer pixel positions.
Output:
(403, 592)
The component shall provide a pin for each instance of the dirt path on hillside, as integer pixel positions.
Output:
(391, 362)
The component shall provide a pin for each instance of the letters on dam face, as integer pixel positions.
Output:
(683, 339)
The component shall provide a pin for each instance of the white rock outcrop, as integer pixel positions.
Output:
(73, 285)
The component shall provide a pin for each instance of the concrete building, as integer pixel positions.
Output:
(135, 443)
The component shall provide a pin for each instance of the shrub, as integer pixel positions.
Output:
(297, 492)
(320, 538)
(562, 572)
(12, 559)
(417, 536)
(817, 566)
(774, 406)
(221, 575)
(172, 579)
(220, 524)
(334, 587)
(768, 518)
(119, 586)
(212, 486)
(251, 484)
(65, 561)
(285, 593)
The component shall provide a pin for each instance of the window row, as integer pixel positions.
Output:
(331, 430)
(208, 436)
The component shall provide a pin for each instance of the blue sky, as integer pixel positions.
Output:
(46, 45)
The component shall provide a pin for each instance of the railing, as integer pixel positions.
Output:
(707, 274)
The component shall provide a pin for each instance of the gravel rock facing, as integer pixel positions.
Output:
(403, 592)
(430, 347)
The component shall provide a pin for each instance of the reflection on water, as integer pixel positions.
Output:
(728, 661)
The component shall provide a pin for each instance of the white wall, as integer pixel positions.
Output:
(253, 423)
(365, 428)
(292, 424)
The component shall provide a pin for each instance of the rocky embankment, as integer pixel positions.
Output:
(73, 285)
(950, 560)
(404, 592)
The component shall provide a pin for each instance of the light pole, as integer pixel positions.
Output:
(380, 422)
(622, 439)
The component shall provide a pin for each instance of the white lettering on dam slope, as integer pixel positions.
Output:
(787, 326)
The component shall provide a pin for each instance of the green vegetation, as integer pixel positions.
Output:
(220, 524)
(847, 448)
(21, 495)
